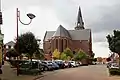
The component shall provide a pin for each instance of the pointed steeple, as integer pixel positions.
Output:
(80, 23)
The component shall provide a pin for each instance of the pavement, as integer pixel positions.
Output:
(10, 74)
(92, 72)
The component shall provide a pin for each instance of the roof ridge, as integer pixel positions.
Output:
(61, 31)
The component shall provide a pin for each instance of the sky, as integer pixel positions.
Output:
(101, 16)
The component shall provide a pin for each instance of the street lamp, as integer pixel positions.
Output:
(31, 16)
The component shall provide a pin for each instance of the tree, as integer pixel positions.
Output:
(56, 54)
(80, 55)
(27, 44)
(94, 59)
(39, 54)
(63, 56)
(68, 52)
(93, 55)
(114, 42)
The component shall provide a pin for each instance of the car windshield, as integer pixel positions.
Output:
(25, 64)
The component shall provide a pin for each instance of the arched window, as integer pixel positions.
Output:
(65, 43)
(56, 43)
(62, 45)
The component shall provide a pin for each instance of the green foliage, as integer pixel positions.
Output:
(56, 54)
(39, 54)
(68, 52)
(63, 56)
(114, 71)
(114, 41)
(94, 59)
(93, 54)
(80, 55)
(27, 44)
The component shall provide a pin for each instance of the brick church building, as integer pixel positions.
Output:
(79, 38)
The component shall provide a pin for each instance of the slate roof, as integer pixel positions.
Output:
(48, 35)
(83, 34)
(61, 31)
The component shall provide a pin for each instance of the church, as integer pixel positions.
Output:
(79, 38)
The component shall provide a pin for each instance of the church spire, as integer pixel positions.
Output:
(80, 23)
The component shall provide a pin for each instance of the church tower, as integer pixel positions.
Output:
(80, 23)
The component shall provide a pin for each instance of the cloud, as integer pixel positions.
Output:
(99, 37)
(101, 50)
(109, 20)
(7, 4)
(101, 16)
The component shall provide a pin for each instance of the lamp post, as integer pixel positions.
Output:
(31, 16)
(1, 41)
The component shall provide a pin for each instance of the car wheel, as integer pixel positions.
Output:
(72, 66)
(46, 69)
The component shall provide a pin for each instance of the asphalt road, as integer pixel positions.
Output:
(92, 72)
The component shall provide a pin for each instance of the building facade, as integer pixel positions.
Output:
(79, 38)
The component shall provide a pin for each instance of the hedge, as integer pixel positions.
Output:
(114, 71)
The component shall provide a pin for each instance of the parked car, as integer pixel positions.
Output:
(47, 66)
(108, 65)
(29, 67)
(114, 65)
(60, 63)
(67, 64)
(78, 64)
(56, 65)
(74, 63)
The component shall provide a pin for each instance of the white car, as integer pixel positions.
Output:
(114, 65)
(74, 64)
